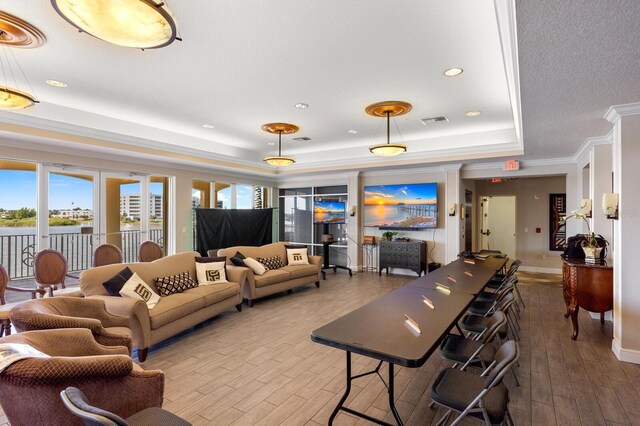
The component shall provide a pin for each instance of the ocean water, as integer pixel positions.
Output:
(393, 215)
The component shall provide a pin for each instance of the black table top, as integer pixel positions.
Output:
(469, 278)
(378, 329)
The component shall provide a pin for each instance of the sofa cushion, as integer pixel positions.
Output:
(175, 284)
(114, 284)
(212, 272)
(238, 259)
(272, 277)
(136, 288)
(174, 307)
(298, 271)
(297, 256)
(215, 293)
(257, 267)
(273, 262)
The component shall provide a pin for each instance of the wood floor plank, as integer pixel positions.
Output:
(260, 367)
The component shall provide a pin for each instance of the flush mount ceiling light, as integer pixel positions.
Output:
(452, 72)
(142, 24)
(474, 113)
(353, 132)
(14, 32)
(208, 126)
(302, 106)
(388, 109)
(279, 129)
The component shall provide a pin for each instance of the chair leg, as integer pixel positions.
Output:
(444, 418)
(519, 295)
(515, 377)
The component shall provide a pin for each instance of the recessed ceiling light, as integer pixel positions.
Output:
(208, 126)
(56, 83)
(302, 106)
(353, 132)
(271, 143)
(473, 113)
(452, 72)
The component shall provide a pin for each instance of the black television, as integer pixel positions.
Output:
(328, 212)
(408, 207)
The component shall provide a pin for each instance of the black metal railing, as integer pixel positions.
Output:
(17, 251)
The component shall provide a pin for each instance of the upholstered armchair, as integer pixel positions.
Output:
(72, 312)
(30, 388)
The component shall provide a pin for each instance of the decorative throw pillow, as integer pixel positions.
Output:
(175, 283)
(135, 288)
(273, 262)
(114, 284)
(211, 272)
(238, 259)
(257, 267)
(297, 256)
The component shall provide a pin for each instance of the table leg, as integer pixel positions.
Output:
(346, 392)
(392, 404)
(574, 320)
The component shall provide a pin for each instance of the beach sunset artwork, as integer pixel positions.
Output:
(328, 212)
(409, 206)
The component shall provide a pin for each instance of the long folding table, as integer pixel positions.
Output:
(401, 328)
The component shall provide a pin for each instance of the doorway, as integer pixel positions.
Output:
(468, 220)
(499, 224)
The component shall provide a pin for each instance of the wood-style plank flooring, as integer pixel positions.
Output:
(259, 367)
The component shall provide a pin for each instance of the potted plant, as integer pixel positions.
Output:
(589, 243)
(388, 235)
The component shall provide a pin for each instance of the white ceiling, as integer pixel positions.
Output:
(243, 64)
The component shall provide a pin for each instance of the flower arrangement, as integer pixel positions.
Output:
(591, 242)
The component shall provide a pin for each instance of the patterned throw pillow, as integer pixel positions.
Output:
(270, 263)
(175, 284)
(211, 273)
(136, 288)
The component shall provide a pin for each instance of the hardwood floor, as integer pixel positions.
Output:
(259, 366)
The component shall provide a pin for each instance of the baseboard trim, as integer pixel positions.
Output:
(626, 355)
(541, 270)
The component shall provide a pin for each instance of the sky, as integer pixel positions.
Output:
(422, 193)
(18, 189)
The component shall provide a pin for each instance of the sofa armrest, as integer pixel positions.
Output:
(316, 260)
(66, 342)
(56, 369)
(138, 314)
(237, 274)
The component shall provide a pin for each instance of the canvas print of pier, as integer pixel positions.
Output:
(326, 212)
(410, 206)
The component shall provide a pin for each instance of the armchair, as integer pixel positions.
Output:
(71, 312)
(5, 309)
(30, 388)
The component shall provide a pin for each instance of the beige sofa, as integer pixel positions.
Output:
(275, 280)
(172, 314)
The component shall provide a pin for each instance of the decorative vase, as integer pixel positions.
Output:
(591, 254)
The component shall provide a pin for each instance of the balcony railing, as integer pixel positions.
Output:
(17, 251)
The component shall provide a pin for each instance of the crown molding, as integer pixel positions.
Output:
(591, 142)
(617, 111)
(508, 32)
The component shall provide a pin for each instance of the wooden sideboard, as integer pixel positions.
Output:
(588, 286)
(403, 254)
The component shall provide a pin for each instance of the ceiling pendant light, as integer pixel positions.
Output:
(142, 24)
(14, 32)
(280, 128)
(388, 109)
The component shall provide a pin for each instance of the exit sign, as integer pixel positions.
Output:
(511, 165)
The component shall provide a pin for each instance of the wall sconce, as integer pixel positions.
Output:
(610, 205)
(452, 209)
(352, 211)
(585, 207)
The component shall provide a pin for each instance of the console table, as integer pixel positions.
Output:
(403, 254)
(588, 286)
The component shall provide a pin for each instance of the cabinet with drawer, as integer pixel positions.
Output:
(403, 254)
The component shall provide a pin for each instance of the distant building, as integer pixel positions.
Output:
(73, 214)
(195, 202)
(130, 206)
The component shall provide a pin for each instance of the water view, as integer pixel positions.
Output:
(401, 206)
